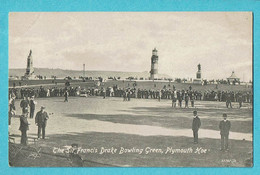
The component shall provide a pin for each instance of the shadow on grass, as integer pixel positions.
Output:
(95, 140)
(208, 110)
(170, 118)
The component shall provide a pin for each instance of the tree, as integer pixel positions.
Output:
(184, 80)
(178, 80)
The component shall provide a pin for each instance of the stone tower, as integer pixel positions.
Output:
(154, 65)
(29, 70)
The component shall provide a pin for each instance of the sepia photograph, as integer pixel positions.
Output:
(130, 89)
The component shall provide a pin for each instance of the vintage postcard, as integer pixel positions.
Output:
(130, 89)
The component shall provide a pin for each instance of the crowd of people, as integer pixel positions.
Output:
(114, 91)
(177, 96)
(42, 92)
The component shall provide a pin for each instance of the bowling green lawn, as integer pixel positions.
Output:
(136, 133)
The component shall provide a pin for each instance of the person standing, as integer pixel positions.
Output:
(12, 104)
(124, 95)
(179, 97)
(128, 95)
(32, 104)
(41, 121)
(228, 100)
(66, 95)
(186, 97)
(104, 93)
(224, 127)
(195, 126)
(48, 93)
(24, 126)
(174, 101)
(24, 104)
(240, 100)
(192, 100)
(12, 111)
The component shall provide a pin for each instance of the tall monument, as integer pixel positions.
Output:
(154, 65)
(198, 75)
(29, 74)
(198, 79)
(84, 71)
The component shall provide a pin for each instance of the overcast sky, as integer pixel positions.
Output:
(220, 41)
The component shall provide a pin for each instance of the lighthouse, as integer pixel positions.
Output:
(154, 65)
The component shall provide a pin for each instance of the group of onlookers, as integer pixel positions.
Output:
(42, 92)
(115, 91)
(27, 105)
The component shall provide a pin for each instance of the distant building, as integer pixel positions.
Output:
(233, 78)
(154, 65)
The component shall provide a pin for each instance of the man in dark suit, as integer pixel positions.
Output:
(192, 99)
(228, 100)
(24, 104)
(24, 126)
(32, 106)
(66, 95)
(41, 121)
(195, 126)
(186, 98)
(224, 127)
(179, 97)
(240, 99)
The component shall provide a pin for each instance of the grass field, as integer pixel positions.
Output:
(152, 130)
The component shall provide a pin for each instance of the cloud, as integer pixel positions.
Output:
(124, 41)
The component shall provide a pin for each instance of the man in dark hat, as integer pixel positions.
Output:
(24, 126)
(240, 99)
(66, 95)
(228, 100)
(186, 98)
(32, 104)
(192, 99)
(41, 121)
(224, 127)
(179, 97)
(174, 101)
(24, 104)
(195, 126)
